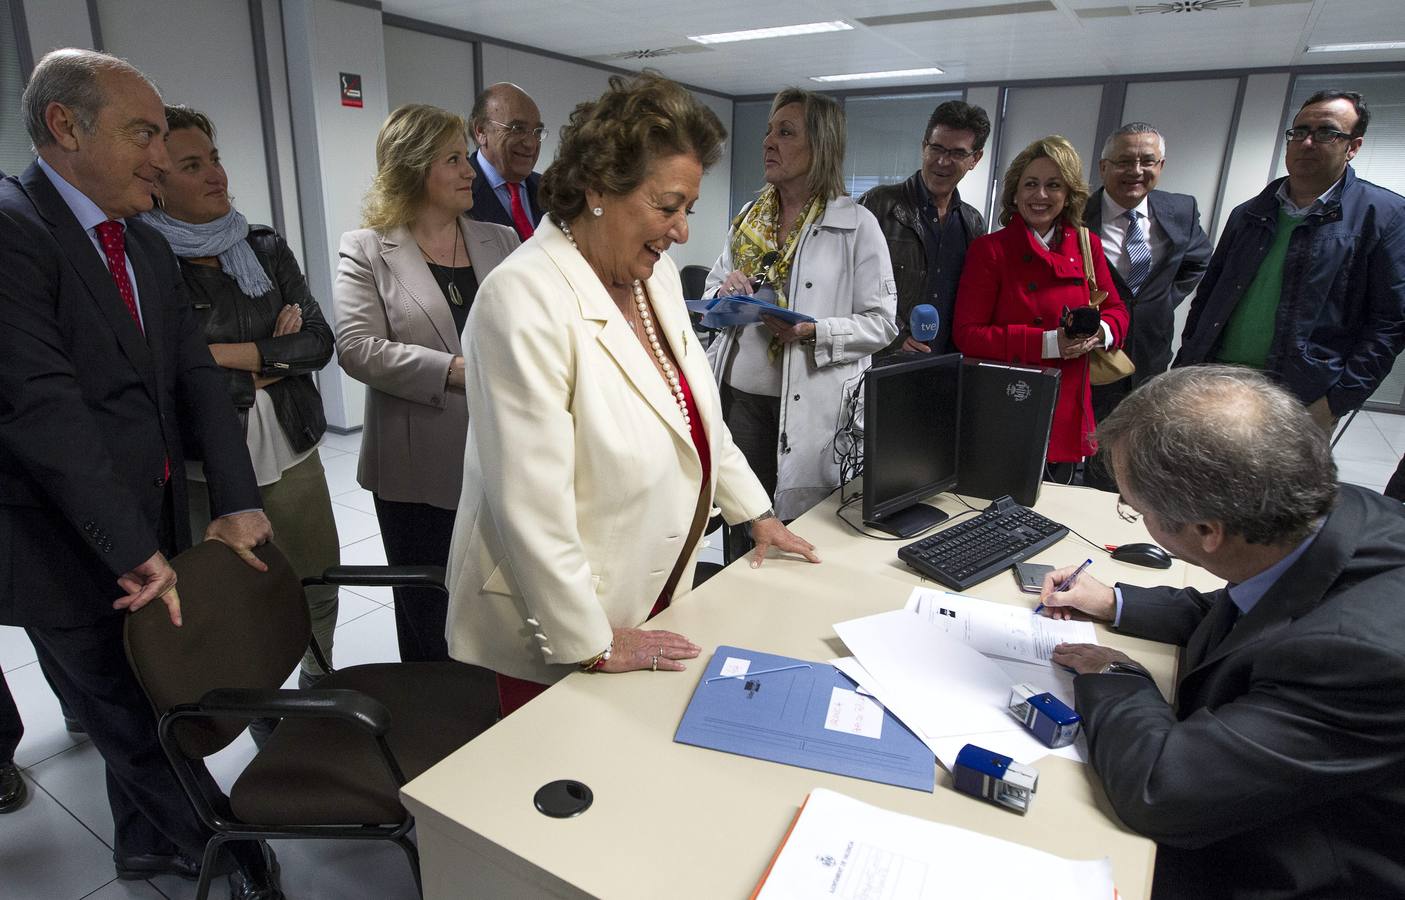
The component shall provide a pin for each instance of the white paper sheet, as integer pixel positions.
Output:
(998, 629)
(853, 713)
(841, 847)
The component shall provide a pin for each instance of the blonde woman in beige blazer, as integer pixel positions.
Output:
(596, 446)
(403, 290)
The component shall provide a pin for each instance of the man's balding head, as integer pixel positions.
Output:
(504, 121)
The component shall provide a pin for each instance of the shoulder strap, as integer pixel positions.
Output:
(1085, 246)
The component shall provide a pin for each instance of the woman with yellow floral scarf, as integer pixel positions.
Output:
(784, 386)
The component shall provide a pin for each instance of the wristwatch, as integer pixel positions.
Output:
(768, 514)
(1126, 667)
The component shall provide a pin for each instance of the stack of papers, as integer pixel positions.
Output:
(945, 664)
(840, 847)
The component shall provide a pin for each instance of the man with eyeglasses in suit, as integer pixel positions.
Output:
(507, 126)
(1308, 280)
(1157, 252)
(927, 226)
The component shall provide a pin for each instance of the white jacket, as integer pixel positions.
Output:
(580, 480)
(842, 276)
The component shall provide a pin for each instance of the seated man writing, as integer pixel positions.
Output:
(1279, 770)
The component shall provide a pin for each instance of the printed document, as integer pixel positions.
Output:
(841, 847)
(998, 629)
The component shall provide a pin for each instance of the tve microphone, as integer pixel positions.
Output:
(923, 322)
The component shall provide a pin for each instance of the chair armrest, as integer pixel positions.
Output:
(381, 576)
(349, 706)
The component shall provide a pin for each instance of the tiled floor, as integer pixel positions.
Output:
(58, 846)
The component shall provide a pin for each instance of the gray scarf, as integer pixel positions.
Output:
(223, 238)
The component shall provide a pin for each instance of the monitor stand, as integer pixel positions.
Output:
(910, 520)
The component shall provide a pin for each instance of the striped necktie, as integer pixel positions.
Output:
(1138, 252)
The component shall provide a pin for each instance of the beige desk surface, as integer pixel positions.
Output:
(679, 821)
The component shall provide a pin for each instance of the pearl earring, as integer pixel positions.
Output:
(598, 211)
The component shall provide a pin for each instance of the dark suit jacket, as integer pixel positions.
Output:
(91, 409)
(488, 208)
(1280, 771)
(1173, 277)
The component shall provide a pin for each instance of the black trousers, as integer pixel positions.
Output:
(11, 726)
(417, 534)
(755, 423)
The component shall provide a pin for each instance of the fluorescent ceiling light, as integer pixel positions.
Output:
(756, 34)
(1348, 48)
(892, 73)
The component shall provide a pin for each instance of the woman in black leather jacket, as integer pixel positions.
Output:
(267, 332)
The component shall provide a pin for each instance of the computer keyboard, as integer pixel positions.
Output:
(972, 551)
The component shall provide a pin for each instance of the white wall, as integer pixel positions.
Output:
(557, 86)
(283, 136)
(1251, 162)
(1035, 112)
(1195, 118)
(427, 68)
(975, 187)
(162, 37)
(335, 147)
(57, 23)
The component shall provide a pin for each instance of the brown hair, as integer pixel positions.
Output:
(1057, 148)
(182, 116)
(608, 143)
(408, 143)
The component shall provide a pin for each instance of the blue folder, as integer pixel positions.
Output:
(777, 712)
(724, 312)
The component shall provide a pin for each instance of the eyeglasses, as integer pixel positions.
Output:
(517, 131)
(1127, 164)
(1321, 135)
(1125, 512)
(937, 151)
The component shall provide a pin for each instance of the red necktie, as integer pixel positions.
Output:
(114, 247)
(519, 212)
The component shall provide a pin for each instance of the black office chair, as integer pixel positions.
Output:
(694, 281)
(334, 766)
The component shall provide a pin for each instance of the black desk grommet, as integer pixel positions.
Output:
(563, 799)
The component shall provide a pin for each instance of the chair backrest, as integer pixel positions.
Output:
(694, 281)
(242, 629)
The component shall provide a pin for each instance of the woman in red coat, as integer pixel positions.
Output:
(1017, 282)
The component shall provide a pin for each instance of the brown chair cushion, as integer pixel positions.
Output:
(327, 772)
(242, 629)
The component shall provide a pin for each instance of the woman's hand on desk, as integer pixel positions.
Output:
(771, 532)
(1086, 595)
(634, 649)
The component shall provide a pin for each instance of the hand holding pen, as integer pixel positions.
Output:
(1068, 590)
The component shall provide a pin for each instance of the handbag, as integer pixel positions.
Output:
(1104, 366)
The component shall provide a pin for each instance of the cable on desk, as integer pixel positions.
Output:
(845, 504)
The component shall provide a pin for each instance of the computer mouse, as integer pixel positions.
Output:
(1149, 555)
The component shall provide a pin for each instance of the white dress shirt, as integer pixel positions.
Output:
(1114, 233)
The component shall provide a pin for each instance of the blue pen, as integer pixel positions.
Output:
(1067, 583)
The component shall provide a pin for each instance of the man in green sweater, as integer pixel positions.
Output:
(1308, 280)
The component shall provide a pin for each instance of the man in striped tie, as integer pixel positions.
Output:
(508, 128)
(1156, 250)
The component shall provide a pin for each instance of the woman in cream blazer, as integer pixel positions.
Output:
(586, 489)
(402, 287)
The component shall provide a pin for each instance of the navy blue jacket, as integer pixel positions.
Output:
(1341, 316)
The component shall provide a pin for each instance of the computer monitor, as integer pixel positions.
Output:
(912, 419)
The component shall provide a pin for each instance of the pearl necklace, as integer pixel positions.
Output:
(641, 303)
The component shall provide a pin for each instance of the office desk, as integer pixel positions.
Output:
(671, 820)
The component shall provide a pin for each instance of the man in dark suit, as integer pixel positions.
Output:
(508, 128)
(106, 375)
(1156, 250)
(1279, 771)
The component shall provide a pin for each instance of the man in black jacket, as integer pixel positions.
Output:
(1279, 770)
(927, 226)
(106, 378)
